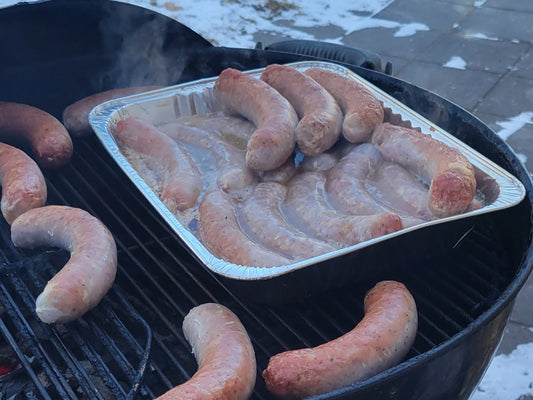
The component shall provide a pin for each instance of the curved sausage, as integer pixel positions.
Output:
(449, 174)
(225, 355)
(282, 174)
(180, 178)
(234, 130)
(23, 184)
(345, 182)
(320, 115)
(379, 341)
(231, 170)
(89, 273)
(400, 190)
(221, 234)
(306, 209)
(273, 141)
(362, 110)
(261, 218)
(76, 115)
(50, 142)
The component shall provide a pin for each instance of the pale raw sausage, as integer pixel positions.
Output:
(23, 184)
(221, 234)
(320, 116)
(50, 142)
(273, 141)
(225, 355)
(400, 190)
(261, 219)
(379, 341)
(306, 209)
(91, 269)
(232, 173)
(345, 182)
(181, 182)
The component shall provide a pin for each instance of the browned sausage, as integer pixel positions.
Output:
(50, 142)
(221, 234)
(90, 271)
(449, 174)
(320, 115)
(274, 117)
(379, 341)
(261, 218)
(23, 184)
(306, 209)
(362, 110)
(225, 355)
(76, 115)
(181, 182)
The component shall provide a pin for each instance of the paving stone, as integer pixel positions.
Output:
(383, 41)
(463, 87)
(514, 335)
(524, 68)
(521, 142)
(510, 97)
(479, 54)
(502, 24)
(439, 15)
(522, 310)
(398, 63)
(515, 5)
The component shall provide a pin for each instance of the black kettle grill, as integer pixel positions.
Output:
(131, 346)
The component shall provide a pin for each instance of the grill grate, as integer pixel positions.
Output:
(131, 345)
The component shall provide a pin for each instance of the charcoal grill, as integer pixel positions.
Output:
(131, 346)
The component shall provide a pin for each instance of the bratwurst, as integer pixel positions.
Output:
(50, 142)
(225, 355)
(76, 115)
(23, 184)
(91, 269)
(379, 341)
(222, 235)
(449, 174)
(320, 116)
(176, 170)
(362, 110)
(273, 141)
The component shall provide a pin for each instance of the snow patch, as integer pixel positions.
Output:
(509, 376)
(481, 36)
(513, 124)
(455, 62)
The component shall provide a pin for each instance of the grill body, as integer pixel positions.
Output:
(464, 275)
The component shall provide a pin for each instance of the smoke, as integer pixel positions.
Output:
(143, 47)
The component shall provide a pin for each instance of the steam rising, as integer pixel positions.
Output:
(141, 58)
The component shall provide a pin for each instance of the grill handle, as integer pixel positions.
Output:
(331, 52)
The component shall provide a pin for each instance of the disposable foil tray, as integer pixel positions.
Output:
(498, 188)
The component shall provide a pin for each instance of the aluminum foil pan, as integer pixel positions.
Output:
(498, 188)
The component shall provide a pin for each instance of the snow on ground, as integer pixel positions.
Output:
(455, 62)
(233, 23)
(509, 376)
